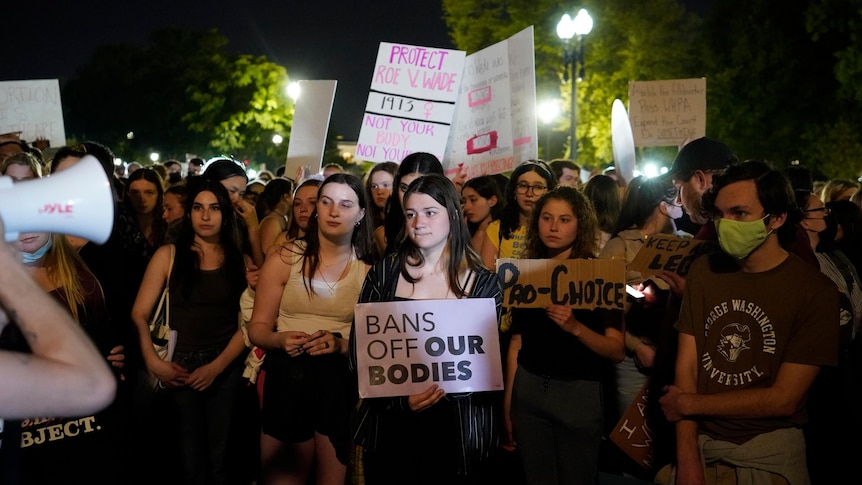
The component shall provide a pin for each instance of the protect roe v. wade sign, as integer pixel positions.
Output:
(411, 102)
(404, 347)
(578, 283)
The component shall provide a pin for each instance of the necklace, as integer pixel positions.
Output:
(335, 283)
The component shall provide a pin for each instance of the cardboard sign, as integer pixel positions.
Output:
(495, 118)
(668, 252)
(34, 108)
(578, 283)
(632, 433)
(404, 347)
(310, 125)
(666, 113)
(411, 103)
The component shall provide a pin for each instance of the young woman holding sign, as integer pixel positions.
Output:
(303, 306)
(429, 437)
(649, 208)
(553, 403)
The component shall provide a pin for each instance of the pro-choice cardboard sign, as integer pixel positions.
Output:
(670, 253)
(404, 347)
(578, 283)
(411, 102)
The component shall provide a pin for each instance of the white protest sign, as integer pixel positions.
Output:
(310, 126)
(622, 142)
(34, 108)
(495, 119)
(666, 113)
(411, 102)
(404, 347)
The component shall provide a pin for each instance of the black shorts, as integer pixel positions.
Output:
(303, 395)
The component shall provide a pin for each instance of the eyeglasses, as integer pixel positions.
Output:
(384, 186)
(825, 210)
(523, 189)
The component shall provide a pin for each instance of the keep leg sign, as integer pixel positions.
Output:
(403, 347)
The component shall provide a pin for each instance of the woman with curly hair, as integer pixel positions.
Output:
(553, 400)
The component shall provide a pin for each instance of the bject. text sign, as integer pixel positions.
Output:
(33, 107)
(666, 113)
(404, 347)
(578, 283)
(411, 102)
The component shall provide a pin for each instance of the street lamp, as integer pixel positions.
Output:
(573, 56)
(293, 90)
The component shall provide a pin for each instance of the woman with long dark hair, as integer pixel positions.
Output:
(303, 307)
(273, 210)
(430, 437)
(649, 208)
(411, 168)
(506, 237)
(553, 402)
(231, 174)
(206, 269)
(483, 203)
(378, 187)
(144, 198)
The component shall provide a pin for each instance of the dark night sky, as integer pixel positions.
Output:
(313, 39)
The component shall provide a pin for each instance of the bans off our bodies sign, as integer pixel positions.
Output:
(578, 283)
(404, 347)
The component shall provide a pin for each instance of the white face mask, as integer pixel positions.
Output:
(673, 211)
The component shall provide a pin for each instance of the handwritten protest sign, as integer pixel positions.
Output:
(632, 434)
(495, 117)
(310, 125)
(666, 113)
(404, 347)
(34, 108)
(411, 102)
(579, 283)
(668, 252)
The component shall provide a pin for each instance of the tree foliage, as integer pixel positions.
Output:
(180, 93)
(781, 76)
(644, 40)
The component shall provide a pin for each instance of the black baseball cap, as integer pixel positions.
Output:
(702, 154)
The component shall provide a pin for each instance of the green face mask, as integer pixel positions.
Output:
(738, 238)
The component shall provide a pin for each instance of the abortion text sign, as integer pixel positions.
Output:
(666, 113)
(411, 102)
(404, 347)
(579, 283)
(33, 107)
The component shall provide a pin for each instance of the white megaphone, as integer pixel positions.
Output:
(77, 201)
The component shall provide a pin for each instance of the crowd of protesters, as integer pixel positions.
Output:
(744, 368)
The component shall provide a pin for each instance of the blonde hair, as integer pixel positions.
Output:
(63, 266)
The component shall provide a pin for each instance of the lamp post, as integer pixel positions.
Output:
(573, 56)
(548, 112)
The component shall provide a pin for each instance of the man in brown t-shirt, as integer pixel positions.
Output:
(756, 325)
